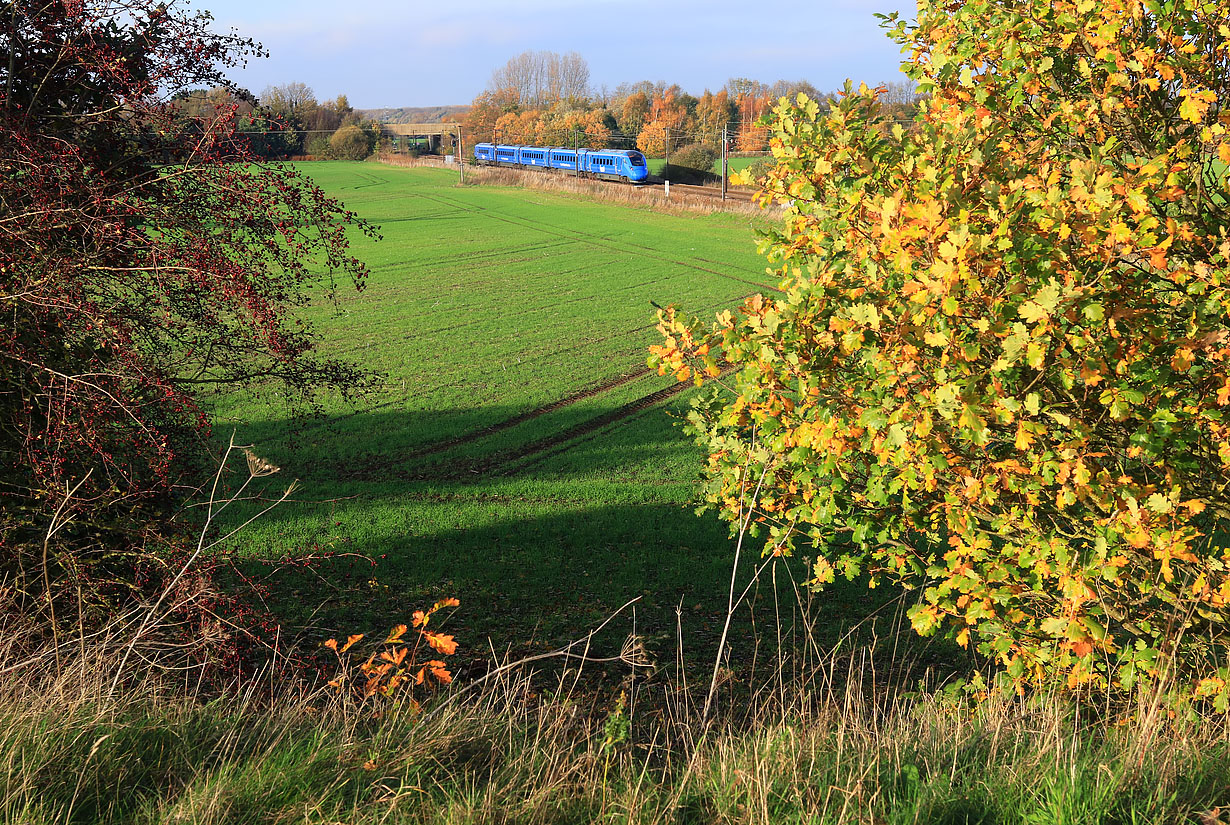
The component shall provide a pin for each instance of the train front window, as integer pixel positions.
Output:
(637, 159)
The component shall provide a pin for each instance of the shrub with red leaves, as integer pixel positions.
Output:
(144, 255)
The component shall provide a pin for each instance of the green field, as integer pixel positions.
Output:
(519, 455)
(737, 164)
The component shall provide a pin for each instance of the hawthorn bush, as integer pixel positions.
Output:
(351, 143)
(144, 256)
(999, 366)
(692, 163)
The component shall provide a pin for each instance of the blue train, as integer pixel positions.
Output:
(611, 164)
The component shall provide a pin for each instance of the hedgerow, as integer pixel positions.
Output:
(999, 368)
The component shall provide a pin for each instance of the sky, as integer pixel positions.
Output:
(385, 54)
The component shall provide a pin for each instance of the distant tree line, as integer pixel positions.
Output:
(287, 121)
(544, 98)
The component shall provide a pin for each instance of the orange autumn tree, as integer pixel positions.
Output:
(652, 139)
(999, 367)
(750, 107)
(517, 127)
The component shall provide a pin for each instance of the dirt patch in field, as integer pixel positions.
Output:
(385, 465)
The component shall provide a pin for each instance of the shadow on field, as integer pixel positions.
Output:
(531, 582)
(518, 565)
(539, 547)
(589, 442)
(379, 444)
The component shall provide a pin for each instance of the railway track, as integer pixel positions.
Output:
(654, 185)
(732, 194)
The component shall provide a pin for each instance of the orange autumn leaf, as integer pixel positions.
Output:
(442, 643)
(396, 657)
(393, 669)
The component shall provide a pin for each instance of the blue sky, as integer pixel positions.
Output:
(381, 53)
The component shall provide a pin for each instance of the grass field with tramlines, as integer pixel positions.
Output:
(518, 455)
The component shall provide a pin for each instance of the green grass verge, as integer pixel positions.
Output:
(501, 760)
(737, 164)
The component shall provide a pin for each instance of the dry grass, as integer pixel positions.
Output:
(527, 748)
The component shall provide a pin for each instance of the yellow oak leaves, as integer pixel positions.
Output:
(999, 364)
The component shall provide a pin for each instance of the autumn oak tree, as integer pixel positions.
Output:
(143, 256)
(999, 366)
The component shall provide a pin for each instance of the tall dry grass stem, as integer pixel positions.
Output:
(257, 468)
(58, 522)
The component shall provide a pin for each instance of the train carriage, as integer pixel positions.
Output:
(564, 159)
(614, 164)
(507, 155)
(607, 164)
(532, 156)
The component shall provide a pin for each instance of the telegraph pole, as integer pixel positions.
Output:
(461, 158)
(725, 158)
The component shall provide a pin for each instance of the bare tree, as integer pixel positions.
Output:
(541, 78)
(568, 77)
(900, 93)
(791, 88)
(745, 87)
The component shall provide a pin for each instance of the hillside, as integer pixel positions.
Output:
(416, 114)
